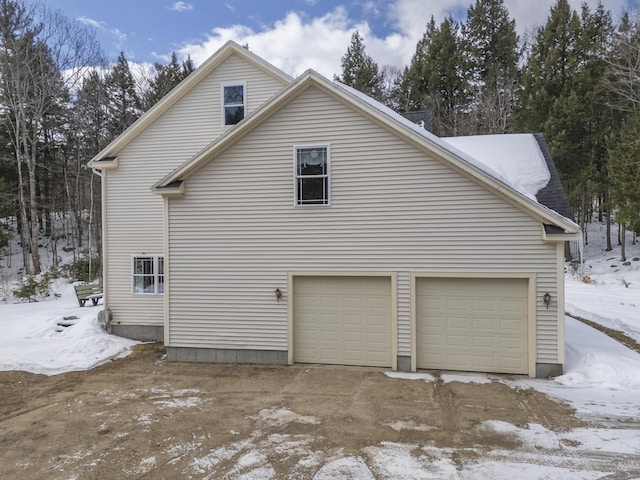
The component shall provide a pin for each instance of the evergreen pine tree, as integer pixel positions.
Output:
(124, 101)
(360, 71)
(491, 60)
(166, 78)
(624, 167)
(435, 79)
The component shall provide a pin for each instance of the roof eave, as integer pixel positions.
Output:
(173, 190)
(229, 48)
(107, 163)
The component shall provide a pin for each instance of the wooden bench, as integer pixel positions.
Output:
(89, 291)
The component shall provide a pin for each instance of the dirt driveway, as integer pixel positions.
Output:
(141, 417)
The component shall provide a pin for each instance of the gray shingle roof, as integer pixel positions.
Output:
(553, 195)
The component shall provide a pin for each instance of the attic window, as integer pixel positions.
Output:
(234, 103)
(312, 175)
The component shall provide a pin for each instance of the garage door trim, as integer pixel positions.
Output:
(392, 276)
(531, 308)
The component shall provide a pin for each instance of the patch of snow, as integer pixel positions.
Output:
(411, 376)
(148, 462)
(397, 460)
(206, 463)
(346, 468)
(279, 417)
(465, 378)
(611, 440)
(506, 470)
(399, 425)
(180, 402)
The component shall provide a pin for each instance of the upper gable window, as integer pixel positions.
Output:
(233, 103)
(312, 175)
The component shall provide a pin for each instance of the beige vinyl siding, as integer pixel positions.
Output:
(134, 215)
(236, 234)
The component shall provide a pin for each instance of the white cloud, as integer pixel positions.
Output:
(92, 23)
(410, 17)
(297, 42)
(181, 7)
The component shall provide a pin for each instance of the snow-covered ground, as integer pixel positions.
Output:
(611, 296)
(32, 339)
(601, 381)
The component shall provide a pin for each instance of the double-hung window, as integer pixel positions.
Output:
(312, 168)
(148, 274)
(234, 103)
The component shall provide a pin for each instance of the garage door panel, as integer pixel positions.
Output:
(474, 324)
(350, 320)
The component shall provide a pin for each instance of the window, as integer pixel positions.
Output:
(148, 274)
(312, 175)
(233, 100)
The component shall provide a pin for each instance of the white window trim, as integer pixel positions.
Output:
(244, 99)
(155, 257)
(295, 175)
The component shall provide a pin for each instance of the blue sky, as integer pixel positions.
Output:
(292, 34)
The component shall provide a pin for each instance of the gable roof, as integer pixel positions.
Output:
(228, 49)
(382, 115)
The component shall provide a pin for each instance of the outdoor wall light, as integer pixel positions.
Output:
(546, 299)
(278, 294)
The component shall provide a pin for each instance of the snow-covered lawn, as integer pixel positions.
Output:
(612, 298)
(32, 339)
(601, 381)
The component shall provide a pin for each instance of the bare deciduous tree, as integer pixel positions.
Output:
(42, 56)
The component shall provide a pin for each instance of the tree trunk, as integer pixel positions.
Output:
(23, 220)
(623, 253)
(33, 211)
(619, 237)
(608, 207)
(568, 255)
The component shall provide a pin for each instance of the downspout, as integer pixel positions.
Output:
(104, 316)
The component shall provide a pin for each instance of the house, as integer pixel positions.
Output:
(322, 227)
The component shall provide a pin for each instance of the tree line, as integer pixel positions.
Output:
(61, 102)
(576, 79)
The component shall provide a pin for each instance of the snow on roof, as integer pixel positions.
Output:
(513, 159)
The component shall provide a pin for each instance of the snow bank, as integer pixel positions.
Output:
(33, 341)
(594, 359)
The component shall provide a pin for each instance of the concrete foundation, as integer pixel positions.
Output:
(220, 355)
(144, 333)
(547, 370)
(404, 364)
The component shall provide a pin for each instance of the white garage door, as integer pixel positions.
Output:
(343, 320)
(472, 324)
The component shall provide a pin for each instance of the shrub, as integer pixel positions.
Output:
(34, 286)
(79, 270)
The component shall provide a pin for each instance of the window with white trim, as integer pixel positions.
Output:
(148, 274)
(233, 103)
(312, 175)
